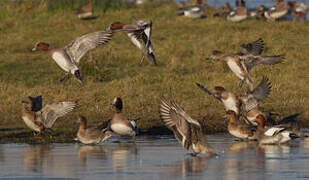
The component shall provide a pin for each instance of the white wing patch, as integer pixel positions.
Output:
(235, 68)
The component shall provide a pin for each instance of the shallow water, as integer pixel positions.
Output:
(155, 157)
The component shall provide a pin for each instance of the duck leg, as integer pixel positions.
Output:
(142, 60)
(65, 77)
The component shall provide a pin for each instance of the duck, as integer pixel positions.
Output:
(272, 135)
(120, 124)
(238, 129)
(69, 56)
(276, 12)
(241, 64)
(139, 33)
(260, 13)
(187, 131)
(41, 119)
(246, 104)
(195, 11)
(240, 13)
(224, 11)
(85, 12)
(299, 10)
(90, 135)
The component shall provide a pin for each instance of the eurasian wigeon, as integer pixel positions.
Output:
(246, 104)
(41, 119)
(299, 10)
(68, 57)
(277, 12)
(239, 14)
(140, 33)
(241, 64)
(239, 129)
(120, 124)
(90, 135)
(187, 131)
(85, 12)
(195, 11)
(272, 135)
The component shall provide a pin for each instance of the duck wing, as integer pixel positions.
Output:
(255, 48)
(178, 121)
(81, 45)
(51, 112)
(250, 61)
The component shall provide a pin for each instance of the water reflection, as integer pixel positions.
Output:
(155, 158)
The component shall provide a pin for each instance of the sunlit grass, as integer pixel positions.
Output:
(181, 45)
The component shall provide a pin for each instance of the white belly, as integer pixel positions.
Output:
(238, 134)
(235, 68)
(63, 62)
(121, 129)
(89, 141)
(230, 104)
(237, 18)
(135, 41)
(30, 124)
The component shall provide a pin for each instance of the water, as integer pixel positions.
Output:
(155, 158)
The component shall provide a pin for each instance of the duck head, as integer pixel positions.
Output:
(260, 120)
(218, 91)
(33, 103)
(116, 26)
(216, 55)
(41, 46)
(117, 103)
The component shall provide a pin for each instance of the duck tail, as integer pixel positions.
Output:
(78, 76)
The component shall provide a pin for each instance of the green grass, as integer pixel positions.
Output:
(182, 46)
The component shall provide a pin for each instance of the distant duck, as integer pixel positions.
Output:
(41, 119)
(90, 135)
(224, 11)
(273, 135)
(195, 11)
(260, 12)
(247, 104)
(69, 56)
(241, 63)
(277, 12)
(186, 130)
(239, 129)
(240, 13)
(299, 10)
(140, 33)
(86, 12)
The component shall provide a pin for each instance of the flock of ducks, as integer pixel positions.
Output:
(246, 121)
(240, 13)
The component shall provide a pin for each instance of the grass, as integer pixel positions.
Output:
(182, 46)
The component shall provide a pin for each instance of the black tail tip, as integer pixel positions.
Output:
(152, 58)
(78, 76)
(293, 136)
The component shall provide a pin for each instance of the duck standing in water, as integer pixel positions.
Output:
(120, 124)
(68, 57)
(90, 135)
(186, 130)
(272, 135)
(238, 129)
(41, 119)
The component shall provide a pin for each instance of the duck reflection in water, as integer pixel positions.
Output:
(91, 152)
(35, 156)
(121, 154)
(240, 146)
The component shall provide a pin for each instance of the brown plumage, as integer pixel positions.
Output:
(186, 130)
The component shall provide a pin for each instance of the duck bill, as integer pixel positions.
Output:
(152, 58)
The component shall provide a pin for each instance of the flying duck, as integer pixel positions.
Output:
(68, 57)
(41, 119)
